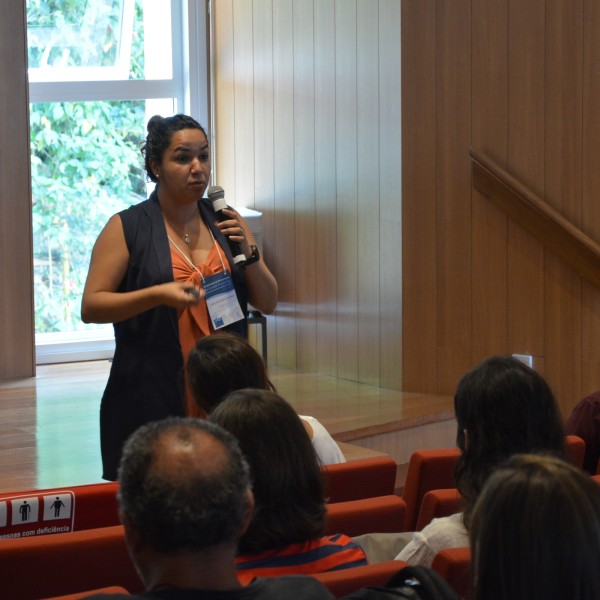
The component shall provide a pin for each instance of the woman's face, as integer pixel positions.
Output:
(185, 169)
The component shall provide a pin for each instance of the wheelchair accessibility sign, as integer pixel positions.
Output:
(29, 515)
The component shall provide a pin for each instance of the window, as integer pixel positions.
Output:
(98, 69)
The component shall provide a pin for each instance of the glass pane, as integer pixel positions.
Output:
(86, 165)
(87, 40)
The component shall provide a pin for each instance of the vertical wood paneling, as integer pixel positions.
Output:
(368, 161)
(243, 65)
(224, 88)
(304, 168)
(390, 175)
(263, 153)
(591, 191)
(327, 76)
(17, 343)
(325, 186)
(453, 192)
(563, 143)
(543, 125)
(346, 185)
(419, 244)
(283, 118)
(526, 64)
(489, 135)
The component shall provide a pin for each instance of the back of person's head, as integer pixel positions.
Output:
(503, 407)
(535, 533)
(222, 363)
(184, 485)
(287, 480)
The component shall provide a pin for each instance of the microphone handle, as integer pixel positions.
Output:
(236, 247)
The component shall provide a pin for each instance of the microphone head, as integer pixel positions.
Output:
(215, 192)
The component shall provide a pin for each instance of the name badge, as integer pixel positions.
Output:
(221, 300)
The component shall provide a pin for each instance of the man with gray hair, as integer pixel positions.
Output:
(185, 499)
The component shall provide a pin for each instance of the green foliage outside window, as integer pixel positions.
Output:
(85, 166)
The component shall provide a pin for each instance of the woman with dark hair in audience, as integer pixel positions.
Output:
(285, 535)
(535, 533)
(502, 407)
(224, 362)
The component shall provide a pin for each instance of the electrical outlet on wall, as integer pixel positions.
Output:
(526, 359)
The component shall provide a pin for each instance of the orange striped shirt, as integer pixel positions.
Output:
(329, 553)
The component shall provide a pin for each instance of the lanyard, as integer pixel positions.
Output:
(188, 259)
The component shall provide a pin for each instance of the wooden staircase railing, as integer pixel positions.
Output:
(536, 216)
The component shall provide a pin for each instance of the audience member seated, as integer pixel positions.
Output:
(502, 407)
(224, 362)
(535, 533)
(584, 421)
(286, 533)
(184, 500)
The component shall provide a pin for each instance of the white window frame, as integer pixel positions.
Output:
(190, 86)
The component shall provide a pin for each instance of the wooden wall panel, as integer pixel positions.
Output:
(526, 64)
(390, 175)
(489, 135)
(419, 196)
(453, 192)
(322, 81)
(590, 326)
(325, 187)
(243, 107)
(264, 169)
(368, 186)
(17, 342)
(532, 70)
(563, 143)
(304, 188)
(284, 258)
(346, 185)
(223, 112)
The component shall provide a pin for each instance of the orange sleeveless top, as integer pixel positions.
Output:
(194, 321)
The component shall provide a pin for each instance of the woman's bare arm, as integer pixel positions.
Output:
(101, 303)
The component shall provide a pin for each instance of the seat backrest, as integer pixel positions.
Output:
(454, 565)
(362, 478)
(438, 503)
(66, 563)
(382, 514)
(427, 470)
(78, 508)
(345, 581)
(111, 589)
(575, 450)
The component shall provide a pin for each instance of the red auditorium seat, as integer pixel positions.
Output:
(345, 581)
(362, 478)
(454, 565)
(427, 470)
(382, 514)
(439, 503)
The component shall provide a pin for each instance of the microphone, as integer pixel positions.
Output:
(216, 195)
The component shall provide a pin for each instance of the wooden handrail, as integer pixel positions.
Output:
(536, 216)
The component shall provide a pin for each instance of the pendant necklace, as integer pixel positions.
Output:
(186, 236)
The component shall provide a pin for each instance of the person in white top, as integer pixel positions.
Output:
(502, 407)
(224, 362)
